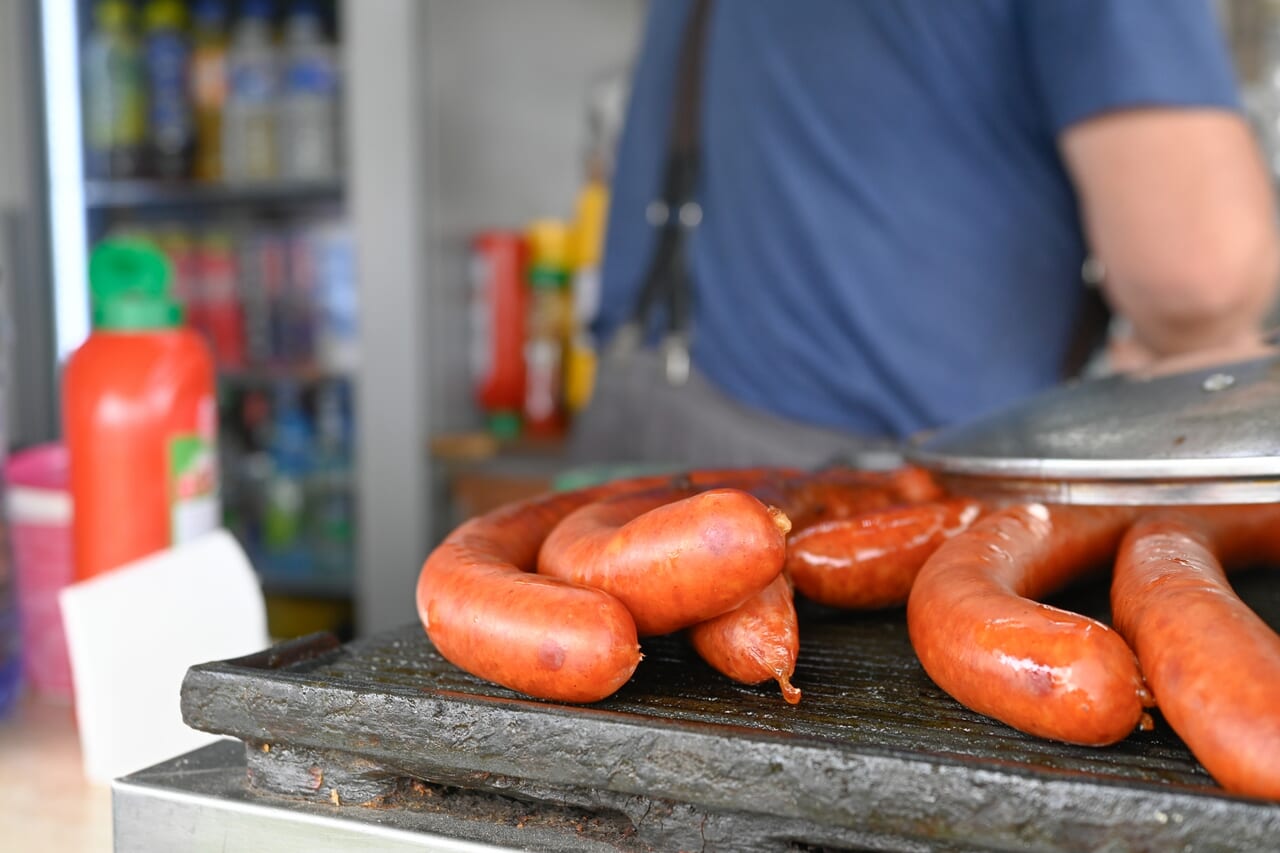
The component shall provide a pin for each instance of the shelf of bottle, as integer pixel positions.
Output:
(301, 374)
(125, 194)
(302, 570)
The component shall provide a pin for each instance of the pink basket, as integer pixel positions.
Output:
(38, 507)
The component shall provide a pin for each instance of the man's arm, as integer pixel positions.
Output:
(1180, 210)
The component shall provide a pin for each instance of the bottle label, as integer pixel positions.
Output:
(209, 78)
(250, 82)
(542, 394)
(311, 77)
(194, 505)
(170, 109)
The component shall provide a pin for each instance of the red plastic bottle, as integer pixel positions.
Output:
(140, 417)
(498, 308)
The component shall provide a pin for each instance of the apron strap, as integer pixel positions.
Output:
(667, 283)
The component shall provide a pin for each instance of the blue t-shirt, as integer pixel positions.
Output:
(890, 240)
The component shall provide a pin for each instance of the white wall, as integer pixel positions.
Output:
(505, 87)
(462, 116)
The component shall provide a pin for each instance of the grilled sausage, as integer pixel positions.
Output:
(672, 564)
(841, 493)
(756, 641)
(1212, 664)
(734, 478)
(871, 560)
(984, 640)
(547, 638)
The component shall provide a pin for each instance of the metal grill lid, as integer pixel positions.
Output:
(1210, 435)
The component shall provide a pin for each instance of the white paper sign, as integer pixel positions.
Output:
(133, 632)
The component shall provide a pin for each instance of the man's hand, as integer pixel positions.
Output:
(1125, 355)
(1180, 210)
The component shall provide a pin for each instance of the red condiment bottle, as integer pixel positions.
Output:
(139, 415)
(499, 305)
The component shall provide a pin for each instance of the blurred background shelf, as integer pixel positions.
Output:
(322, 589)
(131, 194)
(235, 171)
(451, 119)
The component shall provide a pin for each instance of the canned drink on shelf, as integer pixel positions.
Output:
(264, 292)
(298, 305)
(253, 298)
(220, 307)
(179, 246)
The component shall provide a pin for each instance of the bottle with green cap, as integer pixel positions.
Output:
(139, 416)
(548, 325)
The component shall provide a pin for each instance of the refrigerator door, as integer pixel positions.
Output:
(26, 321)
(64, 172)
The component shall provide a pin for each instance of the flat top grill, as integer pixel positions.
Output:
(875, 756)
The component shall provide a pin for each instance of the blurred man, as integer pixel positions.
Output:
(892, 205)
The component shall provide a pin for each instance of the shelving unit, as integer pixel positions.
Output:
(456, 117)
(267, 240)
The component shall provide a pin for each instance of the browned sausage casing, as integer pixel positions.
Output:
(1212, 664)
(544, 637)
(984, 640)
(871, 560)
(840, 493)
(672, 563)
(756, 641)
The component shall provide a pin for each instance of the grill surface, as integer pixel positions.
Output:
(874, 756)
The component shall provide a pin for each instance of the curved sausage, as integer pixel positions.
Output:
(839, 493)
(488, 615)
(915, 485)
(672, 563)
(871, 560)
(814, 500)
(984, 640)
(756, 641)
(1212, 664)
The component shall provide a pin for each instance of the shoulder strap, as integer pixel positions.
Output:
(667, 279)
(683, 147)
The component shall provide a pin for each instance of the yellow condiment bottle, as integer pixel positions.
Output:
(549, 324)
(588, 244)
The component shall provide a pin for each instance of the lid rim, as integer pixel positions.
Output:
(1206, 425)
(1107, 468)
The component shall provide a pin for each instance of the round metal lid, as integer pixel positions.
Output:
(1204, 436)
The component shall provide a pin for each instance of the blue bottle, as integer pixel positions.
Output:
(171, 125)
(285, 501)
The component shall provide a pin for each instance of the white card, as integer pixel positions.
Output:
(133, 632)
